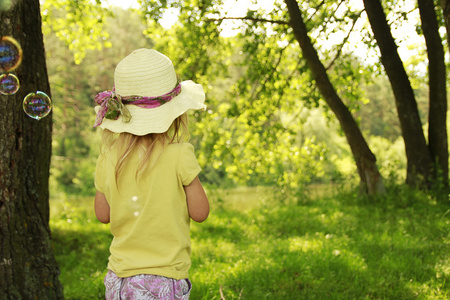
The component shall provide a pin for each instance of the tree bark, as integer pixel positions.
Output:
(371, 179)
(28, 269)
(437, 82)
(417, 152)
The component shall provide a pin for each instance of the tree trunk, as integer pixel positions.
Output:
(417, 152)
(371, 180)
(437, 82)
(28, 269)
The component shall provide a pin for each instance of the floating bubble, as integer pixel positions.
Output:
(37, 105)
(10, 54)
(9, 84)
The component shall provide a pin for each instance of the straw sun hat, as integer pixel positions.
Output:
(148, 96)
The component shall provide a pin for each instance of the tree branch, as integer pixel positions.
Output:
(391, 22)
(344, 41)
(250, 19)
(256, 93)
(315, 11)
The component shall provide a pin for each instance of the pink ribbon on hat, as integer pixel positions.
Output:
(112, 105)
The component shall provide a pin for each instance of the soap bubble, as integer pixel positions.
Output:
(9, 84)
(10, 54)
(37, 105)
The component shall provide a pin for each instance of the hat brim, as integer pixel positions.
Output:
(157, 120)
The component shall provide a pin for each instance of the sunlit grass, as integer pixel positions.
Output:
(339, 247)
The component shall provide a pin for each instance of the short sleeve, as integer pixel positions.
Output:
(188, 167)
(98, 180)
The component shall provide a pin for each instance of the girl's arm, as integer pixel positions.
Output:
(101, 208)
(197, 201)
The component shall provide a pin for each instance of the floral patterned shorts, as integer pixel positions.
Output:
(146, 287)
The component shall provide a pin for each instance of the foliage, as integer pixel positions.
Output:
(391, 161)
(340, 246)
(271, 62)
(269, 84)
(264, 83)
(78, 23)
(265, 123)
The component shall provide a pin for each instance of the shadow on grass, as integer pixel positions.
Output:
(81, 250)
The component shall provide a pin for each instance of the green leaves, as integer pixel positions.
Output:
(260, 94)
(80, 24)
(255, 82)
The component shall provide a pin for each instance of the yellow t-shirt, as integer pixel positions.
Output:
(149, 216)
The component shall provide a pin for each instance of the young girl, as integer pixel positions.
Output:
(146, 178)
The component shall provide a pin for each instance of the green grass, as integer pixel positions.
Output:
(336, 247)
(81, 246)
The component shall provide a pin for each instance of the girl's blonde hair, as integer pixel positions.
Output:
(127, 142)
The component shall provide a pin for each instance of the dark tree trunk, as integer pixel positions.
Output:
(437, 82)
(28, 269)
(371, 180)
(417, 152)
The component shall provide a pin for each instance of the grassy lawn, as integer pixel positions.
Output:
(331, 247)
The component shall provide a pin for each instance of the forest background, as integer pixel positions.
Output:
(267, 125)
(288, 145)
